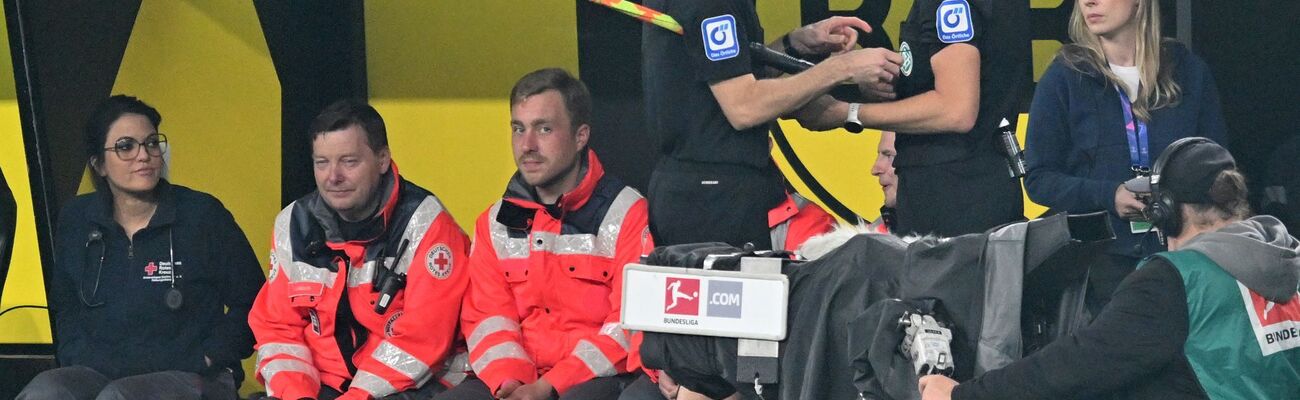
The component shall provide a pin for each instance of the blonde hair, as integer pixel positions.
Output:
(1152, 59)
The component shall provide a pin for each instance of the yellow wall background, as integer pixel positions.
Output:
(440, 74)
(205, 66)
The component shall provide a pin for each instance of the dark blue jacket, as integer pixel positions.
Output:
(1077, 149)
(133, 332)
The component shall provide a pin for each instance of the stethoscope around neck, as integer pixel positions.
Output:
(173, 299)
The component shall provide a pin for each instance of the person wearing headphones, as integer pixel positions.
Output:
(1216, 316)
(152, 282)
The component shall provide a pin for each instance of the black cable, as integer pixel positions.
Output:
(7, 310)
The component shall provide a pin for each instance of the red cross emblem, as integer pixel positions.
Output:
(150, 269)
(439, 261)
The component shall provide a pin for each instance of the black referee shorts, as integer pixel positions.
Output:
(952, 199)
(703, 202)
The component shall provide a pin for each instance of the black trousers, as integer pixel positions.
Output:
(701, 202)
(430, 388)
(968, 196)
(77, 382)
(596, 389)
(644, 389)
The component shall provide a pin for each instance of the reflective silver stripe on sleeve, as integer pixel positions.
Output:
(501, 351)
(489, 326)
(281, 253)
(269, 350)
(396, 358)
(274, 367)
(373, 384)
(454, 378)
(506, 247)
(416, 228)
(456, 369)
(607, 236)
(614, 332)
(594, 358)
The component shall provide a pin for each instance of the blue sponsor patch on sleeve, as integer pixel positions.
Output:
(953, 22)
(719, 34)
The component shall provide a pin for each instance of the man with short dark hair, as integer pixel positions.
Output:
(541, 316)
(367, 276)
(1214, 317)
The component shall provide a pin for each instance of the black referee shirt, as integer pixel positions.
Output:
(1000, 33)
(677, 70)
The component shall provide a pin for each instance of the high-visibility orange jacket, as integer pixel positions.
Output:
(796, 220)
(546, 281)
(306, 338)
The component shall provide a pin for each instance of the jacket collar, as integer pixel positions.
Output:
(520, 192)
(100, 211)
(783, 212)
(390, 187)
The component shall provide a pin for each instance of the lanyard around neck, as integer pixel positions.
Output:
(1139, 148)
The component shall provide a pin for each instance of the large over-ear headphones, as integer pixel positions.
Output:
(1163, 211)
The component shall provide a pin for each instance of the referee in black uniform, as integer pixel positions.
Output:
(964, 62)
(710, 104)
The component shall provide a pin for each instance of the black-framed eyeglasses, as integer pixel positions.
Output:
(128, 148)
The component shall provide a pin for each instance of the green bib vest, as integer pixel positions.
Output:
(1239, 345)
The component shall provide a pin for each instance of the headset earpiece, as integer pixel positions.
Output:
(1164, 212)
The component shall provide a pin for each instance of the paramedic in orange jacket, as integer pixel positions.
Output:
(367, 276)
(796, 220)
(541, 317)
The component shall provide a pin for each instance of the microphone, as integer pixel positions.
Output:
(387, 281)
(1011, 150)
(95, 236)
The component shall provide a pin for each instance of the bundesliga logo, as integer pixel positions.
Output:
(682, 297)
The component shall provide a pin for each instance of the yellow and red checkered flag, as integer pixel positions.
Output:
(643, 13)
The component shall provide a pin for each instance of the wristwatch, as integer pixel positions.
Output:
(851, 122)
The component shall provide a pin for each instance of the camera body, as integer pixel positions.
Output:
(927, 343)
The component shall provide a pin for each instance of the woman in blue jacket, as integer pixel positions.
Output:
(152, 282)
(1106, 107)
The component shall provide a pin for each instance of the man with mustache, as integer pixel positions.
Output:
(367, 276)
(541, 316)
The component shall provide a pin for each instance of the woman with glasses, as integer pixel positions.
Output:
(152, 281)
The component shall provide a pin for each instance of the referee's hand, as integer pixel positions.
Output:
(873, 70)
